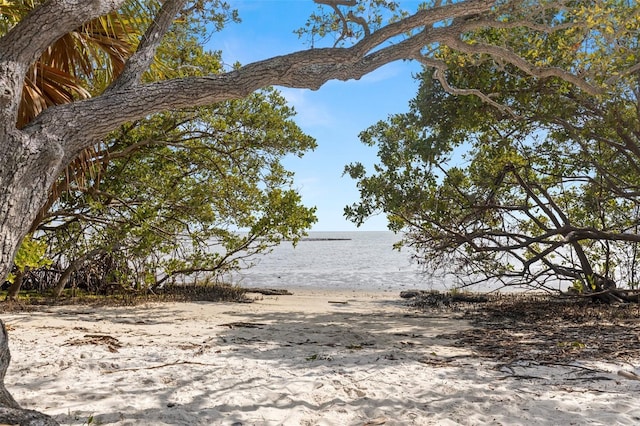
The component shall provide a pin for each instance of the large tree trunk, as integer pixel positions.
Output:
(5, 356)
(27, 171)
(28, 168)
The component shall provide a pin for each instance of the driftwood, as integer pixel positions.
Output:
(616, 295)
(243, 324)
(628, 375)
(434, 299)
(268, 291)
(10, 411)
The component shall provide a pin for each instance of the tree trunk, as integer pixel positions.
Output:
(5, 356)
(14, 289)
(603, 289)
(28, 168)
(73, 266)
(64, 278)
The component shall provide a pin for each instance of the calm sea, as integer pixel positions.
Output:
(339, 260)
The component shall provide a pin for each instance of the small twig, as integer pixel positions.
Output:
(158, 366)
(560, 364)
(589, 378)
(521, 376)
(628, 375)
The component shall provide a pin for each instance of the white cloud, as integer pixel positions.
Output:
(309, 113)
(387, 72)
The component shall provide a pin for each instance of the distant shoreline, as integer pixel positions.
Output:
(325, 239)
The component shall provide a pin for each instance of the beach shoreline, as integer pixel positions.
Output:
(317, 357)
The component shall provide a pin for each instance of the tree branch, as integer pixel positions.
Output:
(519, 62)
(26, 41)
(140, 61)
(89, 120)
(126, 100)
(47, 23)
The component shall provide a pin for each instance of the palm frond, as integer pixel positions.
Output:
(46, 86)
(86, 60)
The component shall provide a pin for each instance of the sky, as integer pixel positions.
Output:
(334, 115)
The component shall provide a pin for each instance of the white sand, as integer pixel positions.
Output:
(307, 362)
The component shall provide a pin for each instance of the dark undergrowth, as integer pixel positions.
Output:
(540, 327)
(32, 300)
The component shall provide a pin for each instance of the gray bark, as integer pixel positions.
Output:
(28, 168)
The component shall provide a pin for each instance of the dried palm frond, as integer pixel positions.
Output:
(78, 64)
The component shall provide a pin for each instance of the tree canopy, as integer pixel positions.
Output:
(532, 182)
(367, 35)
(349, 39)
(178, 193)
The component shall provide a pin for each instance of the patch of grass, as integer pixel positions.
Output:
(31, 300)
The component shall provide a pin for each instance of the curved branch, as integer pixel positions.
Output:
(47, 23)
(140, 61)
(86, 121)
(89, 120)
(439, 75)
(521, 63)
(345, 23)
(423, 19)
(25, 42)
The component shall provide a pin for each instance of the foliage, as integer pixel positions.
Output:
(177, 188)
(181, 193)
(531, 182)
(31, 255)
(166, 195)
(81, 62)
(349, 26)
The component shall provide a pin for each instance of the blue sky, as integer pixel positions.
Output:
(334, 115)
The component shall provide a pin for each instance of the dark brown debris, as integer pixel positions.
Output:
(544, 328)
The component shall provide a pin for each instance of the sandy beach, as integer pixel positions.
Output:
(313, 358)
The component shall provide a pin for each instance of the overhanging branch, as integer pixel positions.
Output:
(140, 61)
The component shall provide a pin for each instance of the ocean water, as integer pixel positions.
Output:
(339, 260)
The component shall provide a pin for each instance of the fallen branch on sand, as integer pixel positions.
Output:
(171, 364)
(269, 291)
(628, 375)
(110, 342)
(242, 324)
